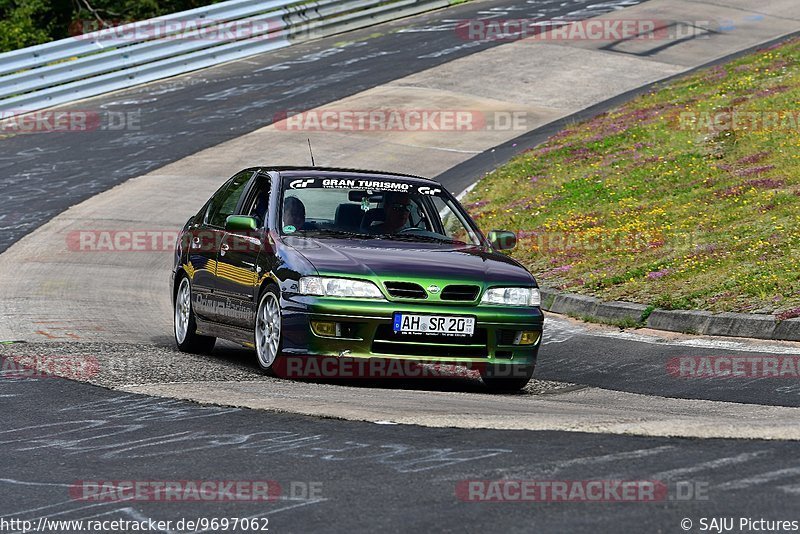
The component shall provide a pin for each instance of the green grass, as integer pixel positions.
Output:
(622, 324)
(645, 204)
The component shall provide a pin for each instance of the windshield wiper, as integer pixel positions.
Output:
(418, 237)
(333, 232)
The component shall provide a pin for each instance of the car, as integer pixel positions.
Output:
(300, 262)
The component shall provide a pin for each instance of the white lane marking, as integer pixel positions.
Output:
(26, 483)
(136, 102)
(448, 25)
(713, 464)
(451, 50)
(550, 468)
(794, 489)
(555, 467)
(308, 58)
(442, 149)
(736, 345)
(763, 478)
(559, 331)
(351, 61)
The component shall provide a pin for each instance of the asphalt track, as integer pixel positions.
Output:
(649, 363)
(43, 174)
(388, 477)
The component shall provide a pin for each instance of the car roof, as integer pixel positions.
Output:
(338, 171)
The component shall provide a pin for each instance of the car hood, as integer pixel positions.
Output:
(386, 259)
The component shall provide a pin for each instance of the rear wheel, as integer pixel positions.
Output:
(504, 378)
(268, 330)
(186, 336)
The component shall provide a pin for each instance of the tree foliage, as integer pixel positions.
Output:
(30, 22)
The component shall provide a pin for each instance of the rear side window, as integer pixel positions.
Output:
(224, 202)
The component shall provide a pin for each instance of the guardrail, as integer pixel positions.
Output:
(115, 58)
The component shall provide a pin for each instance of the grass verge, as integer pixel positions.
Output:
(687, 197)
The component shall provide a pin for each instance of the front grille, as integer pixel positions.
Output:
(387, 341)
(405, 290)
(457, 292)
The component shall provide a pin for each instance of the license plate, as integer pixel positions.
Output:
(405, 323)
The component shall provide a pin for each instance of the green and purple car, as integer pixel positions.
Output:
(337, 263)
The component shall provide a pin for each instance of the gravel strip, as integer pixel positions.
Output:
(117, 365)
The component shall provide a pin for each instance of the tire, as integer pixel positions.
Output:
(267, 332)
(504, 378)
(184, 325)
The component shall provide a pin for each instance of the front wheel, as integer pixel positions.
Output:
(186, 336)
(505, 378)
(268, 330)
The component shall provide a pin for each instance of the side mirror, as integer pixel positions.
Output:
(502, 239)
(241, 223)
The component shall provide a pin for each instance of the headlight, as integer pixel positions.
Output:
(512, 296)
(339, 287)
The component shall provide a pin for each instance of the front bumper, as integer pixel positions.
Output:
(366, 331)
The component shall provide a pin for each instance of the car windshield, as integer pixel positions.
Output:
(373, 209)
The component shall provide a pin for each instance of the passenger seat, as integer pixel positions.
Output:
(348, 217)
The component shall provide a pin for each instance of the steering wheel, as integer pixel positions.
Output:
(410, 229)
